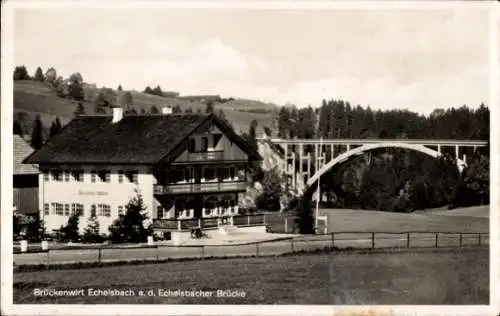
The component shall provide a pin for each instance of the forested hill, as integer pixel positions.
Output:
(339, 119)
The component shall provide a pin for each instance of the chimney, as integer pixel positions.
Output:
(117, 114)
(166, 110)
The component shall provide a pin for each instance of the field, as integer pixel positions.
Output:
(470, 219)
(36, 98)
(453, 277)
(475, 219)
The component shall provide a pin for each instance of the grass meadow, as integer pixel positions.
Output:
(450, 277)
(36, 98)
(465, 220)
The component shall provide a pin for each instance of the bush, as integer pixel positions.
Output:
(35, 230)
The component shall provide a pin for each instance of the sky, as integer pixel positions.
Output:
(416, 59)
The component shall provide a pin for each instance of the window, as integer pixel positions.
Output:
(133, 176)
(77, 175)
(192, 145)
(93, 210)
(180, 206)
(57, 209)
(57, 175)
(232, 172)
(46, 176)
(104, 175)
(120, 210)
(204, 144)
(93, 176)
(120, 176)
(66, 175)
(210, 173)
(159, 212)
(104, 210)
(66, 209)
(46, 209)
(77, 208)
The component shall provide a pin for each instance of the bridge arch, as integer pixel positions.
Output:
(367, 147)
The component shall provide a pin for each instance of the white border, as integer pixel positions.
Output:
(6, 168)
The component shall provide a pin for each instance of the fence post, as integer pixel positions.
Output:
(373, 240)
(99, 255)
(157, 253)
(248, 220)
(436, 243)
(257, 248)
(479, 238)
(48, 257)
(408, 240)
(178, 225)
(286, 225)
(460, 240)
(203, 251)
(333, 239)
(291, 244)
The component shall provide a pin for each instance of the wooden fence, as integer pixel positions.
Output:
(337, 240)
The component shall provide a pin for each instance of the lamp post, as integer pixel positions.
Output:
(318, 193)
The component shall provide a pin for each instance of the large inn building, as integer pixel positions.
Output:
(187, 167)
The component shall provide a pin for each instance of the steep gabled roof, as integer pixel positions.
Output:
(22, 150)
(135, 139)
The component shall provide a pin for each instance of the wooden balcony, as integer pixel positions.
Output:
(204, 187)
(202, 156)
(209, 222)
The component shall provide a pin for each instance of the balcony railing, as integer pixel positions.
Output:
(208, 222)
(203, 156)
(203, 187)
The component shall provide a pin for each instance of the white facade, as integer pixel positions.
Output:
(66, 190)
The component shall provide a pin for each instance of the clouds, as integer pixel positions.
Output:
(419, 59)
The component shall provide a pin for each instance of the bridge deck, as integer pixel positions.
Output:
(358, 141)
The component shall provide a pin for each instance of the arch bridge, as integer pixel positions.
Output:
(306, 160)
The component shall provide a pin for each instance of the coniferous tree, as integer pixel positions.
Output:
(18, 129)
(35, 230)
(176, 109)
(130, 227)
(209, 107)
(91, 233)
(154, 110)
(120, 87)
(39, 74)
(70, 232)
(37, 134)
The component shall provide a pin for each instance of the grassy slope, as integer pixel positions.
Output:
(35, 98)
(400, 278)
